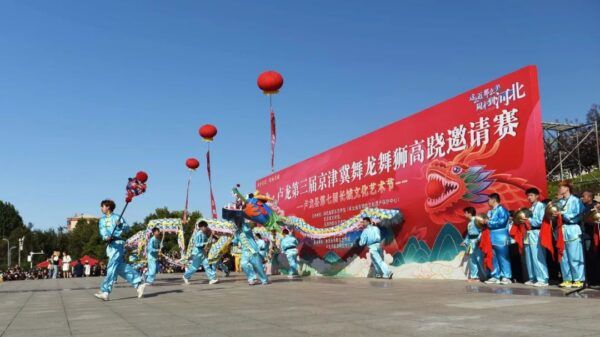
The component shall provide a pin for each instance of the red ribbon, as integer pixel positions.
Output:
(187, 195)
(213, 206)
(273, 139)
(485, 244)
(596, 237)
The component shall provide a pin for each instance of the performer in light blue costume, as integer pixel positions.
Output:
(263, 246)
(472, 243)
(289, 246)
(152, 251)
(371, 236)
(572, 265)
(199, 258)
(535, 254)
(115, 250)
(498, 224)
(251, 260)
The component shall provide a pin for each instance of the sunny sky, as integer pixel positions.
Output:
(91, 92)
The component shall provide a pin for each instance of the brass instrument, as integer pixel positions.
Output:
(480, 220)
(592, 216)
(551, 210)
(521, 216)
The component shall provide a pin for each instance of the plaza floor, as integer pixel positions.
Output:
(304, 307)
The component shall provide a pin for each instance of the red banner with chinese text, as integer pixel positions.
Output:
(430, 165)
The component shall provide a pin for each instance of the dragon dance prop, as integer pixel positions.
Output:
(139, 240)
(135, 186)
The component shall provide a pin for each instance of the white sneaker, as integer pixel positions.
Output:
(253, 282)
(505, 280)
(215, 281)
(102, 296)
(540, 284)
(389, 277)
(529, 283)
(493, 280)
(186, 281)
(140, 290)
(291, 276)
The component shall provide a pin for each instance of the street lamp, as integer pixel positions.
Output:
(30, 257)
(7, 252)
(21, 240)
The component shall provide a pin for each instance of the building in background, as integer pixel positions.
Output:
(72, 222)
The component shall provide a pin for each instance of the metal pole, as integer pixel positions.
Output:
(7, 252)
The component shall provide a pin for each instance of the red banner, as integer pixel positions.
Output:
(430, 165)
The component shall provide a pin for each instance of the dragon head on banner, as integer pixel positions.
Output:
(455, 184)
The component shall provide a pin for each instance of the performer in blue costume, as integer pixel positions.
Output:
(498, 223)
(111, 232)
(572, 264)
(371, 237)
(199, 255)
(472, 243)
(152, 251)
(535, 254)
(251, 260)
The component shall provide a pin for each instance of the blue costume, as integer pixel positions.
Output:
(251, 260)
(115, 250)
(152, 250)
(289, 246)
(199, 258)
(263, 248)
(572, 264)
(535, 254)
(498, 224)
(371, 236)
(472, 244)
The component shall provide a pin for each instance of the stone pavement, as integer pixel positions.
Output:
(305, 307)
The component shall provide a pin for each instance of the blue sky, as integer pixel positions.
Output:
(92, 92)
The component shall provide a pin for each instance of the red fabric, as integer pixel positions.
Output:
(84, 258)
(141, 176)
(44, 264)
(270, 82)
(518, 232)
(546, 237)
(485, 244)
(560, 239)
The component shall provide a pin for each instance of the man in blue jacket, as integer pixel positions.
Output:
(111, 232)
(371, 237)
(497, 222)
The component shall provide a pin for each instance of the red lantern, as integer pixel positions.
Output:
(141, 176)
(208, 132)
(192, 163)
(270, 82)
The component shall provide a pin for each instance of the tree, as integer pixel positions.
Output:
(9, 219)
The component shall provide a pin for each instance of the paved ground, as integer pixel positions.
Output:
(306, 307)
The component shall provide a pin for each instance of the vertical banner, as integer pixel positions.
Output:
(213, 206)
(273, 139)
(430, 166)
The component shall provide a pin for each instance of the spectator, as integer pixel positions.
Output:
(55, 261)
(87, 269)
(78, 269)
(66, 265)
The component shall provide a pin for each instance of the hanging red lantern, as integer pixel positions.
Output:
(192, 163)
(270, 82)
(208, 132)
(141, 176)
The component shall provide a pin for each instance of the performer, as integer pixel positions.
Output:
(371, 236)
(115, 250)
(274, 253)
(152, 252)
(535, 254)
(498, 224)
(289, 246)
(472, 243)
(251, 260)
(199, 255)
(572, 264)
(263, 247)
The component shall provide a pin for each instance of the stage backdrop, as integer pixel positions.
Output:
(430, 165)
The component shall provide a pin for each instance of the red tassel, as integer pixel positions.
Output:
(596, 237)
(518, 232)
(213, 206)
(485, 244)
